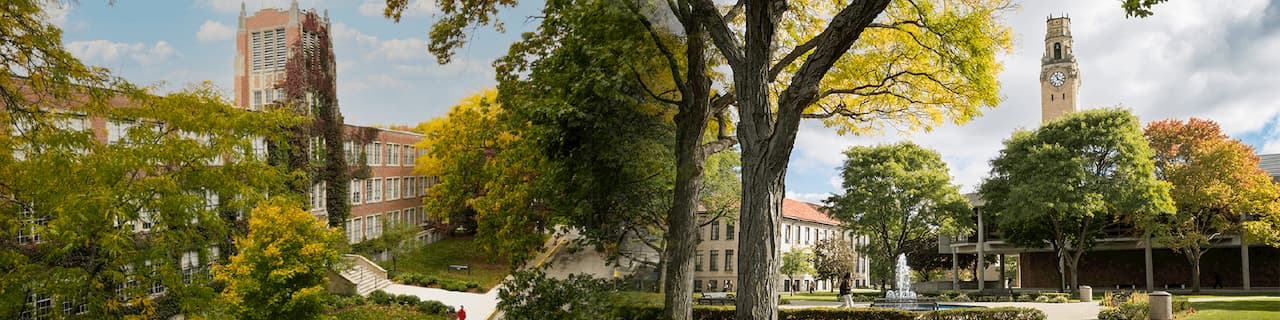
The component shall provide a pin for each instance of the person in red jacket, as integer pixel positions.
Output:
(462, 313)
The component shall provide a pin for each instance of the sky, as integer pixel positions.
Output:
(1218, 60)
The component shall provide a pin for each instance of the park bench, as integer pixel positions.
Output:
(1175, 285)
(714, 298)
(460, 267)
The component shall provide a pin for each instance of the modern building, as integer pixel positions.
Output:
(803, 225)
(1123, 259)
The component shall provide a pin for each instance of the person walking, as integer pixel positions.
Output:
(846, 291)
(462, 313)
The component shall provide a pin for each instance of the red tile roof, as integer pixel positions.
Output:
(805, 211)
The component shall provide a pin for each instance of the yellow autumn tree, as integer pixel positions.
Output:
(279, 270)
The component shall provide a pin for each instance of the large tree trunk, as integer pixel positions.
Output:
(1073, 264)
(758, 246)
(1194, 257)
(682, 222)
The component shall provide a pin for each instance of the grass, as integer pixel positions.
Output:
(1263, 308)
(822, 295)
(434, 260)
(371, 312)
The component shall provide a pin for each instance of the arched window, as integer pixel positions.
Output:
(1057, 50)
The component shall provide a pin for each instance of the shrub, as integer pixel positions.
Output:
(1003, 313)
(962, 298)
(433, 307)
(1042, 299)
(472, 285)
(407, 299)
(944, 298)
(344, 301)
(862, 298)
(1025, 298)
(381, 297)
(453, 285)
(1059, 299)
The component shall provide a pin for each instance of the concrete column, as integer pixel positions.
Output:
(978, 274)
(1244, 262)
(955, 271)
(1161, 306)
(1003, 284)
(1147, 248)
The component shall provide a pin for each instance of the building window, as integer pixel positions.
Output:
(711, 285)
(377, 191)
(355, 190)
(697, 285)
(697, 263)
(393, 154)
(368, 228)
(787, 237)
(728, 260)
(408, 155)
(728, 231)
(715, 230)
(1057, 50)
(268, 49)
(715, 257)
(406, 187)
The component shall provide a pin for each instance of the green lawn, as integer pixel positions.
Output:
(434, 260)
(822, 295)
(1263, 308)
(372, 312)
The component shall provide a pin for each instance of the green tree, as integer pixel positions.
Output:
(833, 258)
(1065, 183)
(920, 63)
(898, 194)
(1216, 185)
(798, 261)
(1139, 8)
(280, 268)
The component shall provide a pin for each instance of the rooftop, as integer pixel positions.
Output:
(1271, 164)
(805, 211)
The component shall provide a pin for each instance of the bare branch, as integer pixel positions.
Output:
(672, 63)
(650, 92)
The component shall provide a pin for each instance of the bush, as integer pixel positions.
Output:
(962, 298)
(1003, 313)
(1025, 298)
(1059, 299)
(472, 285)
(1052, 295)
(727, 313)
(1125, 311)
(862, 298)
(407, 299)
(345, 301)
(381, 297)
(1043, 299)
(433, 307)
(454, 285)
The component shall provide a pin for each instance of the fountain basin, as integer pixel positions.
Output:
(923, 304)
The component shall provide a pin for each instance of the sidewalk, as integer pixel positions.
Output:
(479, 306)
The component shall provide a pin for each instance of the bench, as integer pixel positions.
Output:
(460, 267)
(1175, 285)
(714, 298)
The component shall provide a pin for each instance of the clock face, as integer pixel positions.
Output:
(1057, 79)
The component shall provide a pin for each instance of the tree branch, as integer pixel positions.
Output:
(719, 30)
(649, 91)
(672, 63)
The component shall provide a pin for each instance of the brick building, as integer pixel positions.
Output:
(390, 192)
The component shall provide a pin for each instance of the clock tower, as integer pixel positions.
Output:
(1059, 75)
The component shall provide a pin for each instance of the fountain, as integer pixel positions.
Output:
(902, 285)
(901, 297)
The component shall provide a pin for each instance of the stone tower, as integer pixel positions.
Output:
(1059, 75)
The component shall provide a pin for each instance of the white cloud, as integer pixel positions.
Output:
(213, 31)
(402, 49)
(110, 51)
(417, 8)
(56, 12)
(344, 35)
(1271, 140)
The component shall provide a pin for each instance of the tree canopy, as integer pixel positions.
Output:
(1064, 184)
(798, 261)
(898, 194)
(1216, 186)
(280, 266)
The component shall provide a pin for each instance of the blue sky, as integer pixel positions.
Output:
(1208, 59)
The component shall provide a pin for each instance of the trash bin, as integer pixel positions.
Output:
(1086, 294)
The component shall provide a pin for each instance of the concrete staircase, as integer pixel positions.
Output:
(365, 275)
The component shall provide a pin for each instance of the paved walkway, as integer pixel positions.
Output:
(1055, 311)
(478, 305)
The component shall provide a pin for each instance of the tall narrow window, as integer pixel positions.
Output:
(715, 230)
(728, 231)
(728, 260)
(715, 256)
(697, 263)
(1057, 51)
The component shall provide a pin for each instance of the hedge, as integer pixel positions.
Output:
(422, 280)
(727, 313)
(380, 297)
